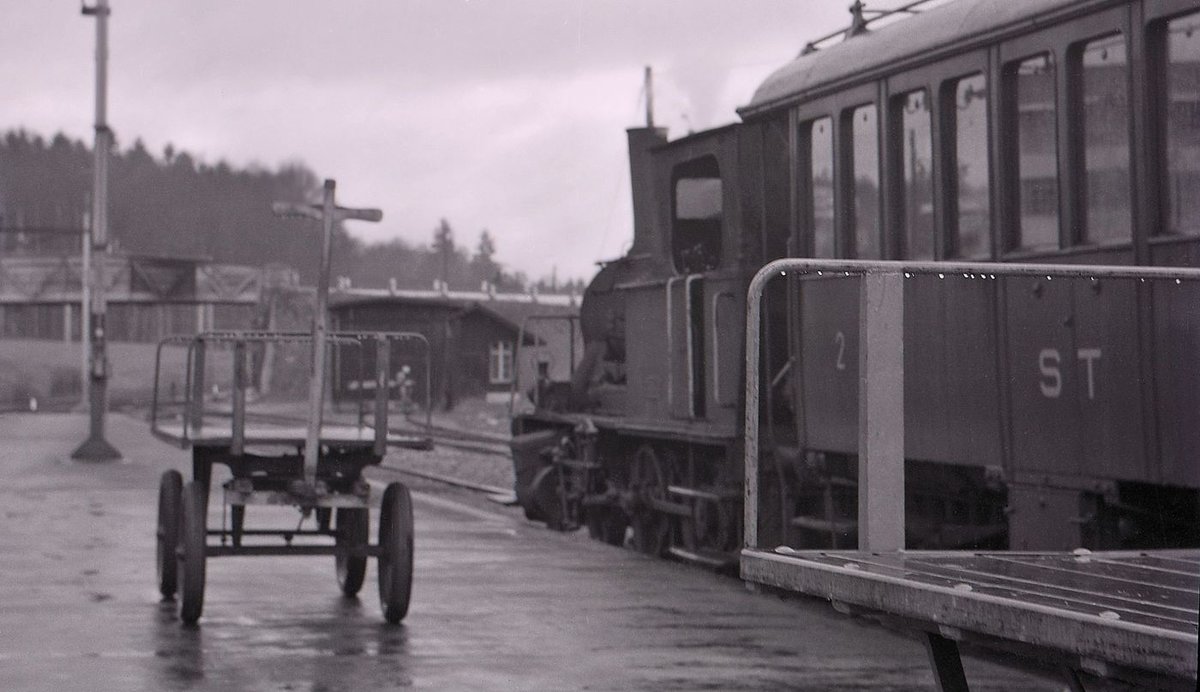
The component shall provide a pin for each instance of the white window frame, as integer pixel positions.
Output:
(500, 362)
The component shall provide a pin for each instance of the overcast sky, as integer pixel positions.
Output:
(507, 115)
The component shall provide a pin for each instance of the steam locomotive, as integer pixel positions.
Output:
(1040, 413)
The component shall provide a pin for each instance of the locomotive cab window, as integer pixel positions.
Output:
(1031, 85)
(1180, 44)
(1103, 104)
(697, 223)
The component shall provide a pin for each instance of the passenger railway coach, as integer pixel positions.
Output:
(1040, 413)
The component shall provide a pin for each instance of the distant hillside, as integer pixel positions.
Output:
(169, 205)
(174, 205)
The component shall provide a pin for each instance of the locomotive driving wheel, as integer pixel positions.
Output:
(648, 478)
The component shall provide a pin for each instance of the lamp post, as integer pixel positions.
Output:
(95, 447)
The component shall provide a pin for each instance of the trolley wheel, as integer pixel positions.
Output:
(395, 552)
(353, 531)
(170, 486)
(192, 537)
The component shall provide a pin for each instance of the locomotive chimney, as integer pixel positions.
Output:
(641, 172)
(641, 180)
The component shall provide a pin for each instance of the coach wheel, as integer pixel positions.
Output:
(353, 531)
(170, 486)
(648, 479)
(192, 531)
(395, 552)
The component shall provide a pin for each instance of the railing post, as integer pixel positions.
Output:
(196, 396)
(238, 441)
(751, 420)
(881, 412)
(383, 356)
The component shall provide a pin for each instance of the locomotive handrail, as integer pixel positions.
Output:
(513, 387)
(881, 382)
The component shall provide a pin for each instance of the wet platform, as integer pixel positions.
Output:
(1127, 615)
(498, 603)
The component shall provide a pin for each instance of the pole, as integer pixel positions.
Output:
(96, 448)
(316, 383)
(85, 308)
(649, 97)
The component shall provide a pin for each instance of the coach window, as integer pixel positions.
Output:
(1031, 82)
(1182, 127)
(917, 171)
(864, 174)
(821, 201)
(696, 236)
(1103, 90)
(970, 180)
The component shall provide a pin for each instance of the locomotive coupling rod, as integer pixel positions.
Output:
(329, 214)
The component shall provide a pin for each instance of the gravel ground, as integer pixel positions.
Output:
(475, 467)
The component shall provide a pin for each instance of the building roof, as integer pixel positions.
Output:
(509, 309)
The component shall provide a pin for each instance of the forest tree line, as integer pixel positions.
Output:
(173, 204)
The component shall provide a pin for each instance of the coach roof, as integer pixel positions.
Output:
(930, 35)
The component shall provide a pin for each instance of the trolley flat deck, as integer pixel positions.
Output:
(218, 434)
(1101, 612)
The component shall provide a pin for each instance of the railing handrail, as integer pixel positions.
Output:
(353, 338)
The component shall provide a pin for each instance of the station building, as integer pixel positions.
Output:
(473, 337)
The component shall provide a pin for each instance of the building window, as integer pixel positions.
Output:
(500, 362)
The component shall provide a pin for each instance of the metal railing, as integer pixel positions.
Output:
(192, 405)
(881, 371)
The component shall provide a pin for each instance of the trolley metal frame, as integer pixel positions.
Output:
(268, 465)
